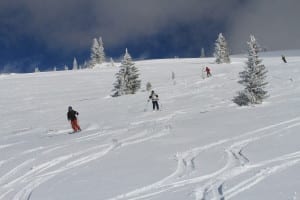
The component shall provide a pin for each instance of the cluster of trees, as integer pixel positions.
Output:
(97, 56)
(127, 79)
(253, 78)
(97, 53)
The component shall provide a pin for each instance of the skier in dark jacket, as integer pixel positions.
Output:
(283, 59)
(154, 97)
(72, 117)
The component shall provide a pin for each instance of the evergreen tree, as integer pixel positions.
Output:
(253, 77)
(202, 53)
(36, 70)
(54, 68)
(75, 65)
(101, 51)
(221, 50)
(127, 78)
(95, 55)
(66, 67)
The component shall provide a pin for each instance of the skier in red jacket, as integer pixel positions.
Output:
(208, 74)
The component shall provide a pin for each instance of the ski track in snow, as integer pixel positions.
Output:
(237, 164)
(9, 145)
(20, 181)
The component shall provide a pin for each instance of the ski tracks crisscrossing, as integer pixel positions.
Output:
(20, 181)
(211, 186)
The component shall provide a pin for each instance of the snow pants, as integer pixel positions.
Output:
(75, 125)
(155, 105)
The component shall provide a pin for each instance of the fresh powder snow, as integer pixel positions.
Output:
(199, 146)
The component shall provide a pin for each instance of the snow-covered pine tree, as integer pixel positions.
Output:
(66, 67)
(95, 55)
(75, 65)
(202, 53)
(127, 78)
(221, 50)
(119, 85)
(101, 51)
(253, 77)
(36, 70)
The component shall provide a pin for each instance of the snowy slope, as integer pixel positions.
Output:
(200, 146)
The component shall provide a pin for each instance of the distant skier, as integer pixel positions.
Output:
(154, 97)
(208, 74)
(72, 117)
(283, 59)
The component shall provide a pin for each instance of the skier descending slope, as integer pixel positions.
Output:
(72, 117)
(154, 97)
(283, 59)
(207, 69)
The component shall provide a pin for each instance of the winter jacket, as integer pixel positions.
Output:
(153, 97)
(72, 115)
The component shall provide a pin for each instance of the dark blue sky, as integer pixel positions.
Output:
(51, 33)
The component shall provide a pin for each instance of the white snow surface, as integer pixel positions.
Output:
(199, 146)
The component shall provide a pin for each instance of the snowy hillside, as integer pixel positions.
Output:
(200, 146)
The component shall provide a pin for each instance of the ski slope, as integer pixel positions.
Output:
(199, 146)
